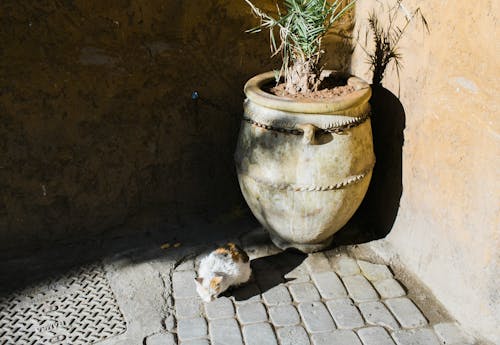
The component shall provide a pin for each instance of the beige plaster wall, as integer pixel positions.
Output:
(448, 225)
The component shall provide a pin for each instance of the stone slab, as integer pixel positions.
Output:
(259, 334)
(345, 314)
(191, 328)
(389, 288)
(344, 265)
(329, 285)
(317, 262)
(224, 332)
(304, 292)
(220, 308)
(374, 271)
(374, 336)
(277, 295)
(359, 289)
(251, 313)
(299, 274)
(406, 312)
(343, 337)
(295, 335)
(415, 337)
(186, 308)
(376, 313)
(183, 283)
(316, 317)
(284, 315)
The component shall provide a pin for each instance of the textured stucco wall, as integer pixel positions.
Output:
(97, 125)
(447, 227)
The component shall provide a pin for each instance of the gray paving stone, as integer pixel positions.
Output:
(183, 283)
(406, 312)
(389, 288)
(191, 328)
(316, 317)
(317, 262)
(284, 315)
(374, 271)
(329, 285)
(423, 336)
(221, 308)
(451, 334)
(295, 335)
(359, 289)
(195, 342)
(277, 295)
(299, 274)
(161, 339)
(251, 313)
(225, 332)
(259, 334)
(345, 314)
(375, 336)
(304, 292)
(341, 337)
(186, 308)
(344, 265)
(375, 313)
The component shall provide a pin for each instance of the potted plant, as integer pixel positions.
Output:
(304, 156)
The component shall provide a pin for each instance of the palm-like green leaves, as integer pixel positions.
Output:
(300, 29)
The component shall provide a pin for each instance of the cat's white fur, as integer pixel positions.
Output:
(216, 265)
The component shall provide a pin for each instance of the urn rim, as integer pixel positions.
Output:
(254, 92)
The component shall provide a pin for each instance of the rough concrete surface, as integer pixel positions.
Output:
(150, 284)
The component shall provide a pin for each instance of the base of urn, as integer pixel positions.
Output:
(303, 247)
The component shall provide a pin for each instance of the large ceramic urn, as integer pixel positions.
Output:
(304, 166)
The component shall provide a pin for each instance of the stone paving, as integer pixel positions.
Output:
(324, 298)
(319, 299)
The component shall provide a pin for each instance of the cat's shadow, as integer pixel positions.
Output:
(267, 272)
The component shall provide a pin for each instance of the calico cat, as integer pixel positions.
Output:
(224, 267)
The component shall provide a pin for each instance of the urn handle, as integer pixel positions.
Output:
(309, 133)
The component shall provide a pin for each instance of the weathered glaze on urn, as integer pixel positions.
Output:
(304, 166)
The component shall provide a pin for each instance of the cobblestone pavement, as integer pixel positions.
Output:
(326, 298)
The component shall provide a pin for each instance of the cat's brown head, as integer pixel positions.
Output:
(209, 289)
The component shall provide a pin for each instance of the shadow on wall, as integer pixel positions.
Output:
(377, 213)
(98, 129)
